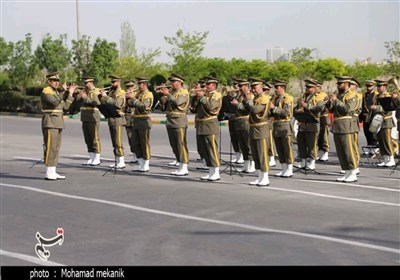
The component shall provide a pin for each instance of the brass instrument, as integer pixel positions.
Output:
(394, 80)
(300, 109)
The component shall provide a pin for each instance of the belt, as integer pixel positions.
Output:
(141, 116)
(387, 117)
(176, 113)
(207, 119)
(341, 118)
(324, 115)
(258, 124)
(281, 120)
(52, 111)
(89, 108)
(241, 117)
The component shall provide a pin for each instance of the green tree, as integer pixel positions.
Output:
(104, 59)
(327, 69)
(282, 70)
(127, 43)
(186, 51)
(393, 51)
(53, 55)
(364, 72)
(6, 50)
(81, 56)
(299, 55)
(22, 64)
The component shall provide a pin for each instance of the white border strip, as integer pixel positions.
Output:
(194, 218)
(28, 258)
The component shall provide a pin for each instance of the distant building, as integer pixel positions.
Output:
(276, 54)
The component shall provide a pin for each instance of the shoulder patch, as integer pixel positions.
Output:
(48, 90)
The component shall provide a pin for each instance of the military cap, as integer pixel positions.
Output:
(115, 78)
(278, 82)
(142, 80)
(210, 79)
(317, 83)
(176, 77)
(53, 76)
(129, 83)
(87, 79)
(310, 83)
(255, 81)
(267, 86)
(370, 83)
(343, 79)
(381, 82)
(355, 82)
(242, 82)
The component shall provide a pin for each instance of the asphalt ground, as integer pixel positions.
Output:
(130, 218)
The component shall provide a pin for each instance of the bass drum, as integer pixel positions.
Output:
(376, 124)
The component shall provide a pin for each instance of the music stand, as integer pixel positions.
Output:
(232, 168)
(109, 111)
(305, 170)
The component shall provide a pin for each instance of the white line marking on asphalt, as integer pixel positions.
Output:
(220, 222)
(349, 184)
(28, 258)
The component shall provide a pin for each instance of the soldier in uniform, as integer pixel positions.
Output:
(242, 126)
(177, 104)
(343, 106)
(194, 106)
(90, 118)
(324, 122)
(307, 112)
(271, 145)
(142, 104)
(228, 111)
(366, 116)
(384, 135)
(116, 99)
(53, 104)
(354, 85)
(258, 107)
(130, 87)
(206, 120)
(282, 110)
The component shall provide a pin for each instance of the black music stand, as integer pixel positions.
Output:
(232, 168)
(109, 111)
(305, 170)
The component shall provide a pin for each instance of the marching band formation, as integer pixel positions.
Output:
(262, 125)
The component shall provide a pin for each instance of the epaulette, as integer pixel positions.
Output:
(350, 94)
(385, 94)
(48, 90)
(120, 92)
(288, 98)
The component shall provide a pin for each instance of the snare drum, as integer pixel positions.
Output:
(376, 124)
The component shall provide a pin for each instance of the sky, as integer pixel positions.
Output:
(347, 30)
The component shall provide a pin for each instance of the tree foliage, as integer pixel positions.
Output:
(327, 69)
(53, 55)
(81, 56)
(299, 55)
(364, 72)
(393, 51)
(104, 59)
(22, 64)
(6, 50)
(127, 43)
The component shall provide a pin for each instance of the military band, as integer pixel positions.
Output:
(259, 120)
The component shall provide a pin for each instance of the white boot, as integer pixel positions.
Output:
(342, 172)
(239, 158)
(357, 170)
(174, 163)
(134, 158)
(96, 160)
(140, 164)
(311, 164)
(351, 177)
(288, 172)
(301, 164)
(385, 161)
(182, 171)
(260, 174)
(284, 167)
(264, 180)
(145, 166)
(203, 165)
(245, 166)
(116, 163)
(58, 176)
(390, 162)
(215, 176)
(324, 157)
(121, 162)
(341, 179)
(50, 173)
(252, 167)
(91, 157)
(272, 162)
(210, 172)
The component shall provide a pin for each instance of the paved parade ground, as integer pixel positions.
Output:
(131, 218)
